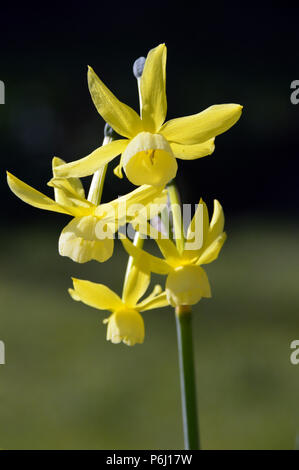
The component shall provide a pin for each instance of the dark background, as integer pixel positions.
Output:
(63, 385)
(239, 54)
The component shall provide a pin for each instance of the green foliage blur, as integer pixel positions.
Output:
(65, 387)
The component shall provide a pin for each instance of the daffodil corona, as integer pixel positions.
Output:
(186, 281)
(150, 146)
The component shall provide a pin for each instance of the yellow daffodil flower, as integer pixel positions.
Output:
(90, 234)
(186, 281)
(150, 148)
(125, 322)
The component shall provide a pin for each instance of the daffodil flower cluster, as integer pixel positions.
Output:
(149, 151)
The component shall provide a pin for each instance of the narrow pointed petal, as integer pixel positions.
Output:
(65, 185)
(123, 119)
(33, 197)
(138, 215)
(169, 251)
(88, 165)
(156, 291)
(199, 128)
(97, 295)
(197, 231)
(154, 302)
(77, 205)
(217, 223)
(118, 170)
(212, 251)
(125, 206)
(153, 89)
(74, 183)
(192, 152)
(135, 285)
(144, 260)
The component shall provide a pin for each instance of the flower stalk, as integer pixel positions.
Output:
(183, 314)
(187, 376)
(98, 179)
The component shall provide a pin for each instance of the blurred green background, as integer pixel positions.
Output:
(63, 386)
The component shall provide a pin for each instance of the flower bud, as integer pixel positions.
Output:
(108, 131)
(138, 67)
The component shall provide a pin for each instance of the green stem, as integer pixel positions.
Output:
(183, 316)
(187, 377)
(138, 241)
(97, 182)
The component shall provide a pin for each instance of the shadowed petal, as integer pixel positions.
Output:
(123, 119)
(88, 165)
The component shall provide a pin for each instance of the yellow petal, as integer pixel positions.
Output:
(154, 302)
(212, 251)
(217, 223)
(81, 242)
(152, 88)
(124, 208)
(187, 285)
(140, 214)
(118, 170)
(192, 152)
(148, 159)
(197, 231)
(156, 291)
(169, 251)
(97, 295)
(33, 197)
(74, 295)
(76, 204)
(198, 128)
(123, 119)
(144, 195)
(135, 285)
(144, 260)
(88, 165)
(125, 325)
(75, 184)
